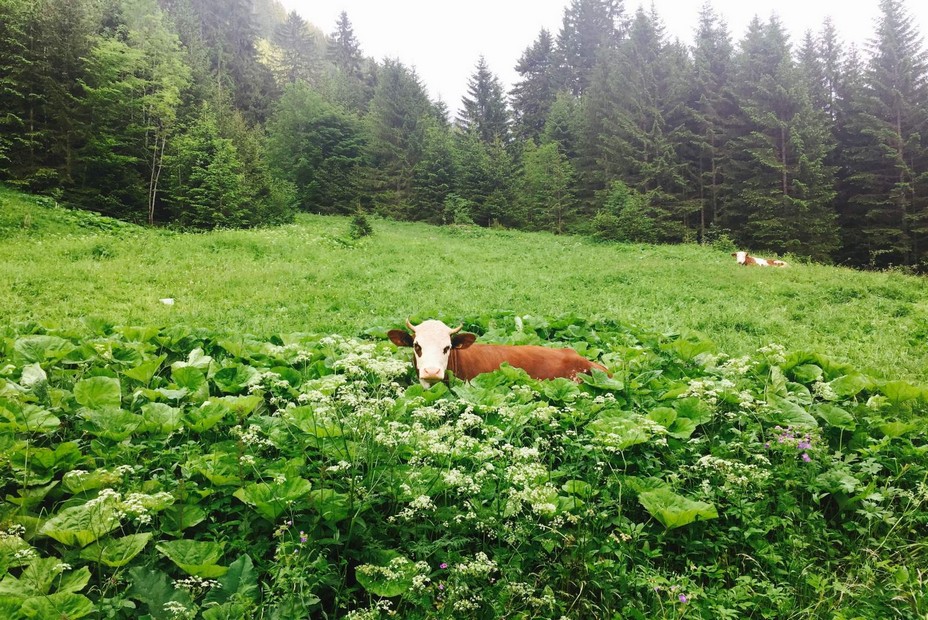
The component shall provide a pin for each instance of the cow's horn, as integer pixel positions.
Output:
(457, 329)
(410, 325)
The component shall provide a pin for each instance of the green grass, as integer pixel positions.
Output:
(59, 266)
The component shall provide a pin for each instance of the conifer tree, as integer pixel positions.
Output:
(588, 27)
(484, 111)
(15, 66)
(298, 59)
(888, 175)
(534, 95)
(547, 187)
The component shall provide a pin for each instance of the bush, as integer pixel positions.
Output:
(359, 226)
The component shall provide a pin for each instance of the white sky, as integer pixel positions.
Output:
(443, 40)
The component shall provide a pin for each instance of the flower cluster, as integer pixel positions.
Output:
(707, 389)
(793, 439)
(774, 354)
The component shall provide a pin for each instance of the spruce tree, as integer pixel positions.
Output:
(298, 54)
(887, 176)
(588, 27)
(533, 96)
(484, 111)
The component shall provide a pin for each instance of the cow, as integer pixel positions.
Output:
(438, 348)
(746, 259)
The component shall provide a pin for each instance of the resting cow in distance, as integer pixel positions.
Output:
(746, 259)
(438, 348)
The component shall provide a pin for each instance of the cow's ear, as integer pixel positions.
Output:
(734, 254)
(400, 338)
(462, 341)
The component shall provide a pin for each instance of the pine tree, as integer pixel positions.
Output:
(534, 95)
(484, 111)
(344, 50)
(433, 176)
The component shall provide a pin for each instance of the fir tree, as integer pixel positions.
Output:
(588, 28)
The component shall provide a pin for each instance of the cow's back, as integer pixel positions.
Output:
(538, 362)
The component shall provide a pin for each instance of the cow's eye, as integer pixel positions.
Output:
(418, 349)
(448, 348)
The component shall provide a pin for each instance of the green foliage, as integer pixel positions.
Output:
(339, 485)
(360, 226)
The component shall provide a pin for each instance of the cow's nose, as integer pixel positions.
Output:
(431, 374)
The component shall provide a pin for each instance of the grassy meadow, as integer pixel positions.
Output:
(259, 450)
(60, 266)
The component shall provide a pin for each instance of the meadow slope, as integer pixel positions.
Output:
(59, 266)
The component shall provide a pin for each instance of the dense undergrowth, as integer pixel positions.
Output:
(173, 473)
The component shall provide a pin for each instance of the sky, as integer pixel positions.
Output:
(443, 40)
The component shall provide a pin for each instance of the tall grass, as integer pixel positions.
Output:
(310, 277)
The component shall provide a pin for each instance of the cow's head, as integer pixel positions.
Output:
(741, 256)
(432, 342)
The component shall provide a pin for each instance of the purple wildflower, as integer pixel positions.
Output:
(443, 565)
(803, 445)
(303, 536)
(806, 457)
(441, 586)
(683, 598)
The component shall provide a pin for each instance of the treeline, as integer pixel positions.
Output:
(232, 112)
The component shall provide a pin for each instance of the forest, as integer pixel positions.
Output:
(234, 113)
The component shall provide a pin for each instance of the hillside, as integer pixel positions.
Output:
(159, 462)
(65, 265)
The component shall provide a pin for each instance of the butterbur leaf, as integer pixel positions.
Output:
(788, 413)
(193, 380)
(39, 348)
(272, 499)
(603, 381)
(391, 576)
(235, 379)
(179, 517)
(206, 416)
(144, 372)
(897, 429)
(81, 525)
(161, 418)
(241, 582)
(195, 557)
(74, 581)
(618, 431)
(332, 505)
(674, 510)
(807, 373)
(850, 385)
(153, 588)
(578, 487)
(116, 552)
(98, 392)
(58, 605)
(901, 391)
(26, 418)
(32, 376)
(112, 423)
(835, 416)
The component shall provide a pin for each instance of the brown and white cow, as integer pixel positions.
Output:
(746, 259)
(438, 348)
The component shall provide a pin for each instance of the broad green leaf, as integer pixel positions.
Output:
(220, 468)
(305, 419)
(18, 418)
(272, 499)
(144, 372)
(153, 588)
(81, 481)
(98, 392)
(193, 380)
(112, 423)
(618, 431)
(74, 581)
(674, 510)
(391, 578)
(81, 525)
(32, 376)
(851, 385)
(116, 552)
(242, 405)
(578, 487)
(560, 390)
(195, 557)
(687, 349)
(226, 611)
(664, 416)
(234, 379)
(900, 391)
(30, 349)
(807, 373)
(38, 577)
(787, 413)
(161, 418)
(30, 497)
(206, 416)
(179, 517)
(59, 605)
(603, 381)
(693, 409)
(835, 416)
(897, 429)
(332, 505)
(240, 582)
